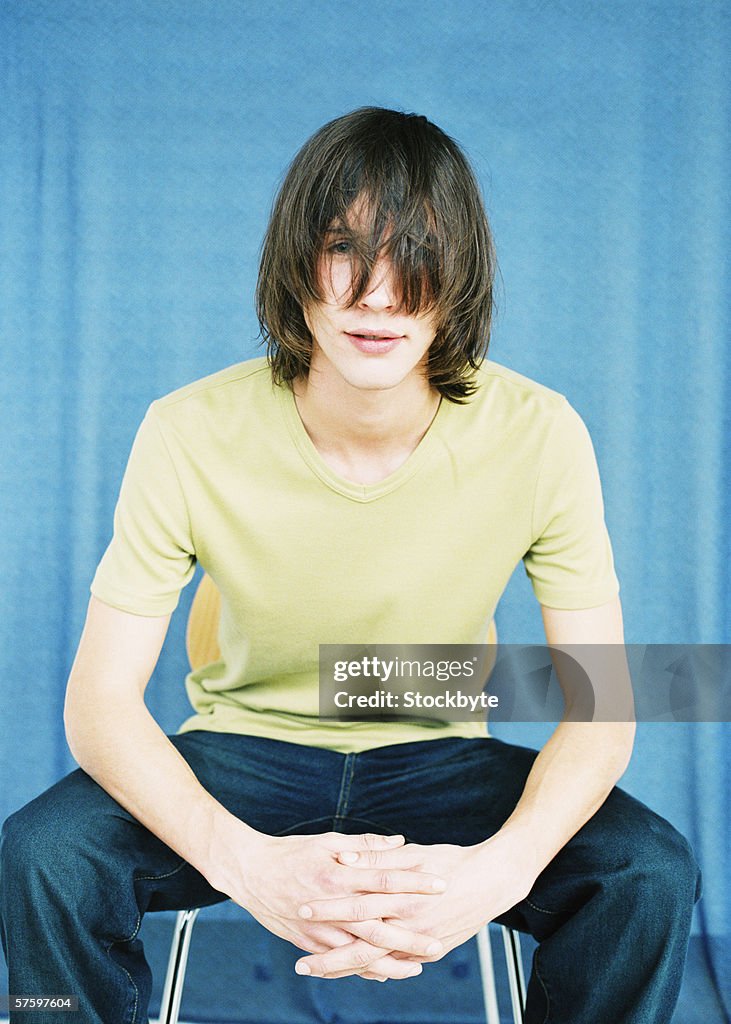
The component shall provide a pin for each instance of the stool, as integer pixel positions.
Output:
(178, 961)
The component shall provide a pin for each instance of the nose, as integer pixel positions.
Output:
(380, 294)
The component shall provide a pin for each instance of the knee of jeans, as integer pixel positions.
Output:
(666, 865)
(22, 846)
(36, 844)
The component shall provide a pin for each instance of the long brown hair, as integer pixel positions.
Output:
(418, 202)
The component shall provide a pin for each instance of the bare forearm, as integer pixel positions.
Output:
(123, 749)
(576, 770)
(570, 779)
(116, 740)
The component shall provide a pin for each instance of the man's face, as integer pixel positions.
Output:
(370, 346)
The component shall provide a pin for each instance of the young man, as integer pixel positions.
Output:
(375, 481)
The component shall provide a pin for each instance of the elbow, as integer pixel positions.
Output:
(81, 719)
(622, 747)
(71, 719)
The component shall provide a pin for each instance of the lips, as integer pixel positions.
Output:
(375, 335)
(374, 342)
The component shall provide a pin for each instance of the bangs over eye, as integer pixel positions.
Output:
(414, 257)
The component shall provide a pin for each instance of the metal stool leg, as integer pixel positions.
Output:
(178, 961)
(487, 973)
(516, 981)
(511, 942)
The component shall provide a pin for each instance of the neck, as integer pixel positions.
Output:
(365, 434)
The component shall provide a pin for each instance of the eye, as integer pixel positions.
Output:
(340, 248)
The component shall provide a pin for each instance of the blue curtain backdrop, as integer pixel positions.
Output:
(140, 144)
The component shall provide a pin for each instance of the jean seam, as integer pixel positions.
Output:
(135, 930)
(155, 878)
(345, 785)
(133, 1018)
(540, 910)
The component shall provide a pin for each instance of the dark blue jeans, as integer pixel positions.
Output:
(611, 913)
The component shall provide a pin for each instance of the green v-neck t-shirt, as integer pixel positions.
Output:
(223, 473)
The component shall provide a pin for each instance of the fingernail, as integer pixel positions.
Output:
(305, 912)
(436, 947)
(348, 857)
(439, 885)
(301, 968)
(413, 973)
(394, 840)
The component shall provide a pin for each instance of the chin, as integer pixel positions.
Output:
(375, 380)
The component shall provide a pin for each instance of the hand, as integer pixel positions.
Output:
(483, 882)
(274, 876)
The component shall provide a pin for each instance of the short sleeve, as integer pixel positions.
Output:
(570, 562)
(151, 555)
